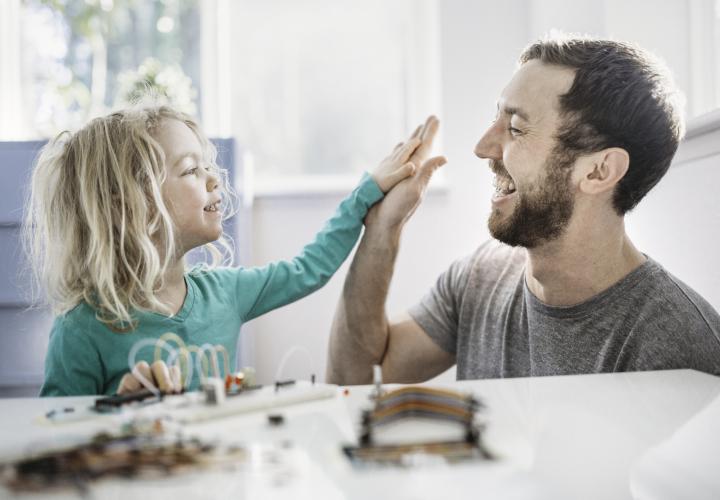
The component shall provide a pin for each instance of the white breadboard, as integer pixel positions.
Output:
(191, 407)
(264, 399)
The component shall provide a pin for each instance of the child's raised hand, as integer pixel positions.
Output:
(396, 167)
(167, 380)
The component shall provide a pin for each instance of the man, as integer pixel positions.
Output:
(583, 131)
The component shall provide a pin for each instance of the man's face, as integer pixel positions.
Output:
(534, 199)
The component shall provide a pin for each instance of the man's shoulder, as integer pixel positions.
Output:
(674, 311)
(667, 292)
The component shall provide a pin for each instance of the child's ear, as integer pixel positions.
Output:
(602, 171)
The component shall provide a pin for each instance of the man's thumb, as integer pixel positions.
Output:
(431, 165)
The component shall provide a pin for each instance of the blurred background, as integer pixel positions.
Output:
(313, 92)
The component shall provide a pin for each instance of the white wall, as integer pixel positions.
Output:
(480, 42)
(678, 224)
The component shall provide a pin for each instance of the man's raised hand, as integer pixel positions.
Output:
(402, 201)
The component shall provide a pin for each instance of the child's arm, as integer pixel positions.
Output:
(265, 288)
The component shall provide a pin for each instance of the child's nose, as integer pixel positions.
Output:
(213, 181)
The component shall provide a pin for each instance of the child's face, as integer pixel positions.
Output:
(191, 188)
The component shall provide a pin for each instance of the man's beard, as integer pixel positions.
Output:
(543, 212)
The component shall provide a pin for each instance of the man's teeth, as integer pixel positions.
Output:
(504, 185)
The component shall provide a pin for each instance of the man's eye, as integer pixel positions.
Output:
(515, 131)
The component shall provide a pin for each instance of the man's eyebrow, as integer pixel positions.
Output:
(514, 110)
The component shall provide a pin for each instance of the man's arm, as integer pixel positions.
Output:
(361, 334)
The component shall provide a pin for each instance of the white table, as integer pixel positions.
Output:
(572, 437)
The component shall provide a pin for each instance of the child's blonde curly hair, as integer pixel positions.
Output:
(97, 228)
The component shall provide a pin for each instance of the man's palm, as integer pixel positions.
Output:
(402, 201)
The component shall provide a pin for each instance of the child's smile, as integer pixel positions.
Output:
(191, 188)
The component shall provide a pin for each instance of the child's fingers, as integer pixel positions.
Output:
(129, 384)
(143, 373)
(162, 376)
(400, 174)
(403, 153)
(176, 378)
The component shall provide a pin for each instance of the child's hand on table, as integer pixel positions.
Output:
(166, 380)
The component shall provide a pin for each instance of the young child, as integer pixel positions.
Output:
(114, 209)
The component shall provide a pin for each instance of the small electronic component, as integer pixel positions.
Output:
(283, 383)
(214, 391)
(248, 376)
(142, 448)
(240, 382)
(53, 413)
(377, 380)
(276, 419)
(111, 403)
(234, 380)
(417, 402)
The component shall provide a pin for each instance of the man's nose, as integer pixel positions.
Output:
(489, 145)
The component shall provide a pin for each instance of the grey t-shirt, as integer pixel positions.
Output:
(482, 311)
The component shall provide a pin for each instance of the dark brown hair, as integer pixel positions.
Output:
(622, 97)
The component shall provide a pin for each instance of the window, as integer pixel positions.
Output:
(704, 58)
(321, 89)
(66, 61)
(703, 126)
(316, 91)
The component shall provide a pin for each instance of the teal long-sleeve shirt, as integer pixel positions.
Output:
(86, 357)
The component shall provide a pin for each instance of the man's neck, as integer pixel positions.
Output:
(582, 263)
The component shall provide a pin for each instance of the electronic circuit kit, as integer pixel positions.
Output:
(148, 431)
(412, 405)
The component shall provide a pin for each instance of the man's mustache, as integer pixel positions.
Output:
(498, 167)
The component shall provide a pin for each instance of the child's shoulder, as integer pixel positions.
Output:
(74, 325)
(79, 317)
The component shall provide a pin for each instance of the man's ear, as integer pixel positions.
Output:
(603, 170)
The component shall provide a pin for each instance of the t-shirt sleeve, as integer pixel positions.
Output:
(262, 289)
(72, 364)
(438, 311)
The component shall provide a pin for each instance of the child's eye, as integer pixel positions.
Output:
(191, 171)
